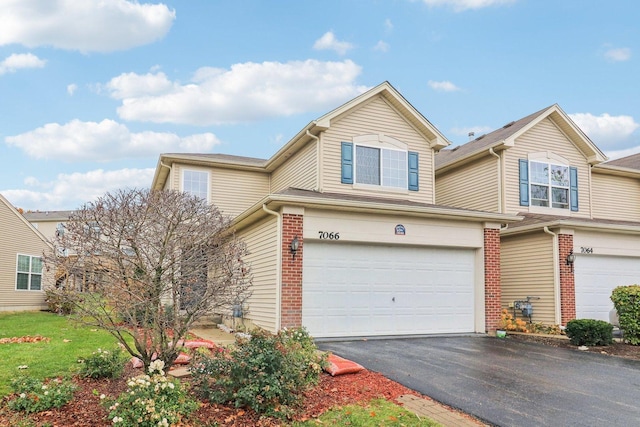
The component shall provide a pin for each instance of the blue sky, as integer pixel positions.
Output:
(91, 92)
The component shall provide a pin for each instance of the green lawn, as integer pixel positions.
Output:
(56, 357)
(376, 413)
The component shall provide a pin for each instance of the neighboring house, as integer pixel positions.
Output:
(49, 223)
(344, 234)
(21, 270)
(575, 206)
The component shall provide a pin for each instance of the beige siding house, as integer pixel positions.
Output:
(580, 236)
(48, 223)
(343, 229)
(21, 269)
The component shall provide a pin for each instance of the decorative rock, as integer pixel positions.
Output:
(583, 348)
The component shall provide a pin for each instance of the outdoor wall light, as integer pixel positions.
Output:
(571, 259)
(294, 247)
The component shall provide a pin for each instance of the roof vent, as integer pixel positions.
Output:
(471, 135)
(507, 125)
(480, 137)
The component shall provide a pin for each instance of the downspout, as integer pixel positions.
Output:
(493, 153)
(166, 166)
(433, 174)
(556, 275)
(590, 198)
(278, 263)
(318, 161)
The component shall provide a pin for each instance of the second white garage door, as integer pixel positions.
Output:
(360, 290)
(596, 276)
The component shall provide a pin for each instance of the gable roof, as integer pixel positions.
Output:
(436, 139)
(505, 137)
(21, 218)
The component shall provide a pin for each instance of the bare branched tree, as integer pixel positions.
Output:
(145, 265)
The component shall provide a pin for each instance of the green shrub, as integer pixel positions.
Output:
(589, 332)
(266, 373)
(103, 364)
(151, 400)
(33, 395)
(626, 300)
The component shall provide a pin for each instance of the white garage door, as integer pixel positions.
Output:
(596, 276)
(359, 290)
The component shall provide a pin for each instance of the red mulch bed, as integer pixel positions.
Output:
(618, 349)
(86, 409)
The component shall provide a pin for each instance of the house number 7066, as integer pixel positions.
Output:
(329, 235)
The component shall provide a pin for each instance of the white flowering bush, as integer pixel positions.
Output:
(151, 400)
(103, 364)
(33, 395)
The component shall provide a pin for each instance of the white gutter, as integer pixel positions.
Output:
(278, 263)
(318, 160)
(493, 153)
(556, 275)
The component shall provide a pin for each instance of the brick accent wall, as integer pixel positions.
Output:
(492, 292)
(567, 280)
(291, 296)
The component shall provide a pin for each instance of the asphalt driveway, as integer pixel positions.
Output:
(507, 382)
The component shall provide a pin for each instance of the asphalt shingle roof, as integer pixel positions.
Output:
(484, 141)
(631, 162)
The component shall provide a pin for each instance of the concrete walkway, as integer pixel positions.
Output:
(436, 412)
(216, 335)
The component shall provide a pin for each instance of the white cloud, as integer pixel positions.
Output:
(462, 5)
(443, 86)
(18, 61)
(70, 191)
(328, 41)
(618, 54)
(605, 129)
(71, 89)
(132, 85)
(381, 46)
(104, 141)
(87, 25)
(388, 25)
(246, 92)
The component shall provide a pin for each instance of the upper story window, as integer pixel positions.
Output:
(549, 185)
(379, 166)
(196, 182)
(60, 229)
(375, 160)
(29, 273)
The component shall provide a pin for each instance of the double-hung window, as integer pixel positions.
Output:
(381, 166)
(549, 185)
(29, 273)
(196, 182)
(387, 166)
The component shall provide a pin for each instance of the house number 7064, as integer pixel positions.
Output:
(329, 235)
